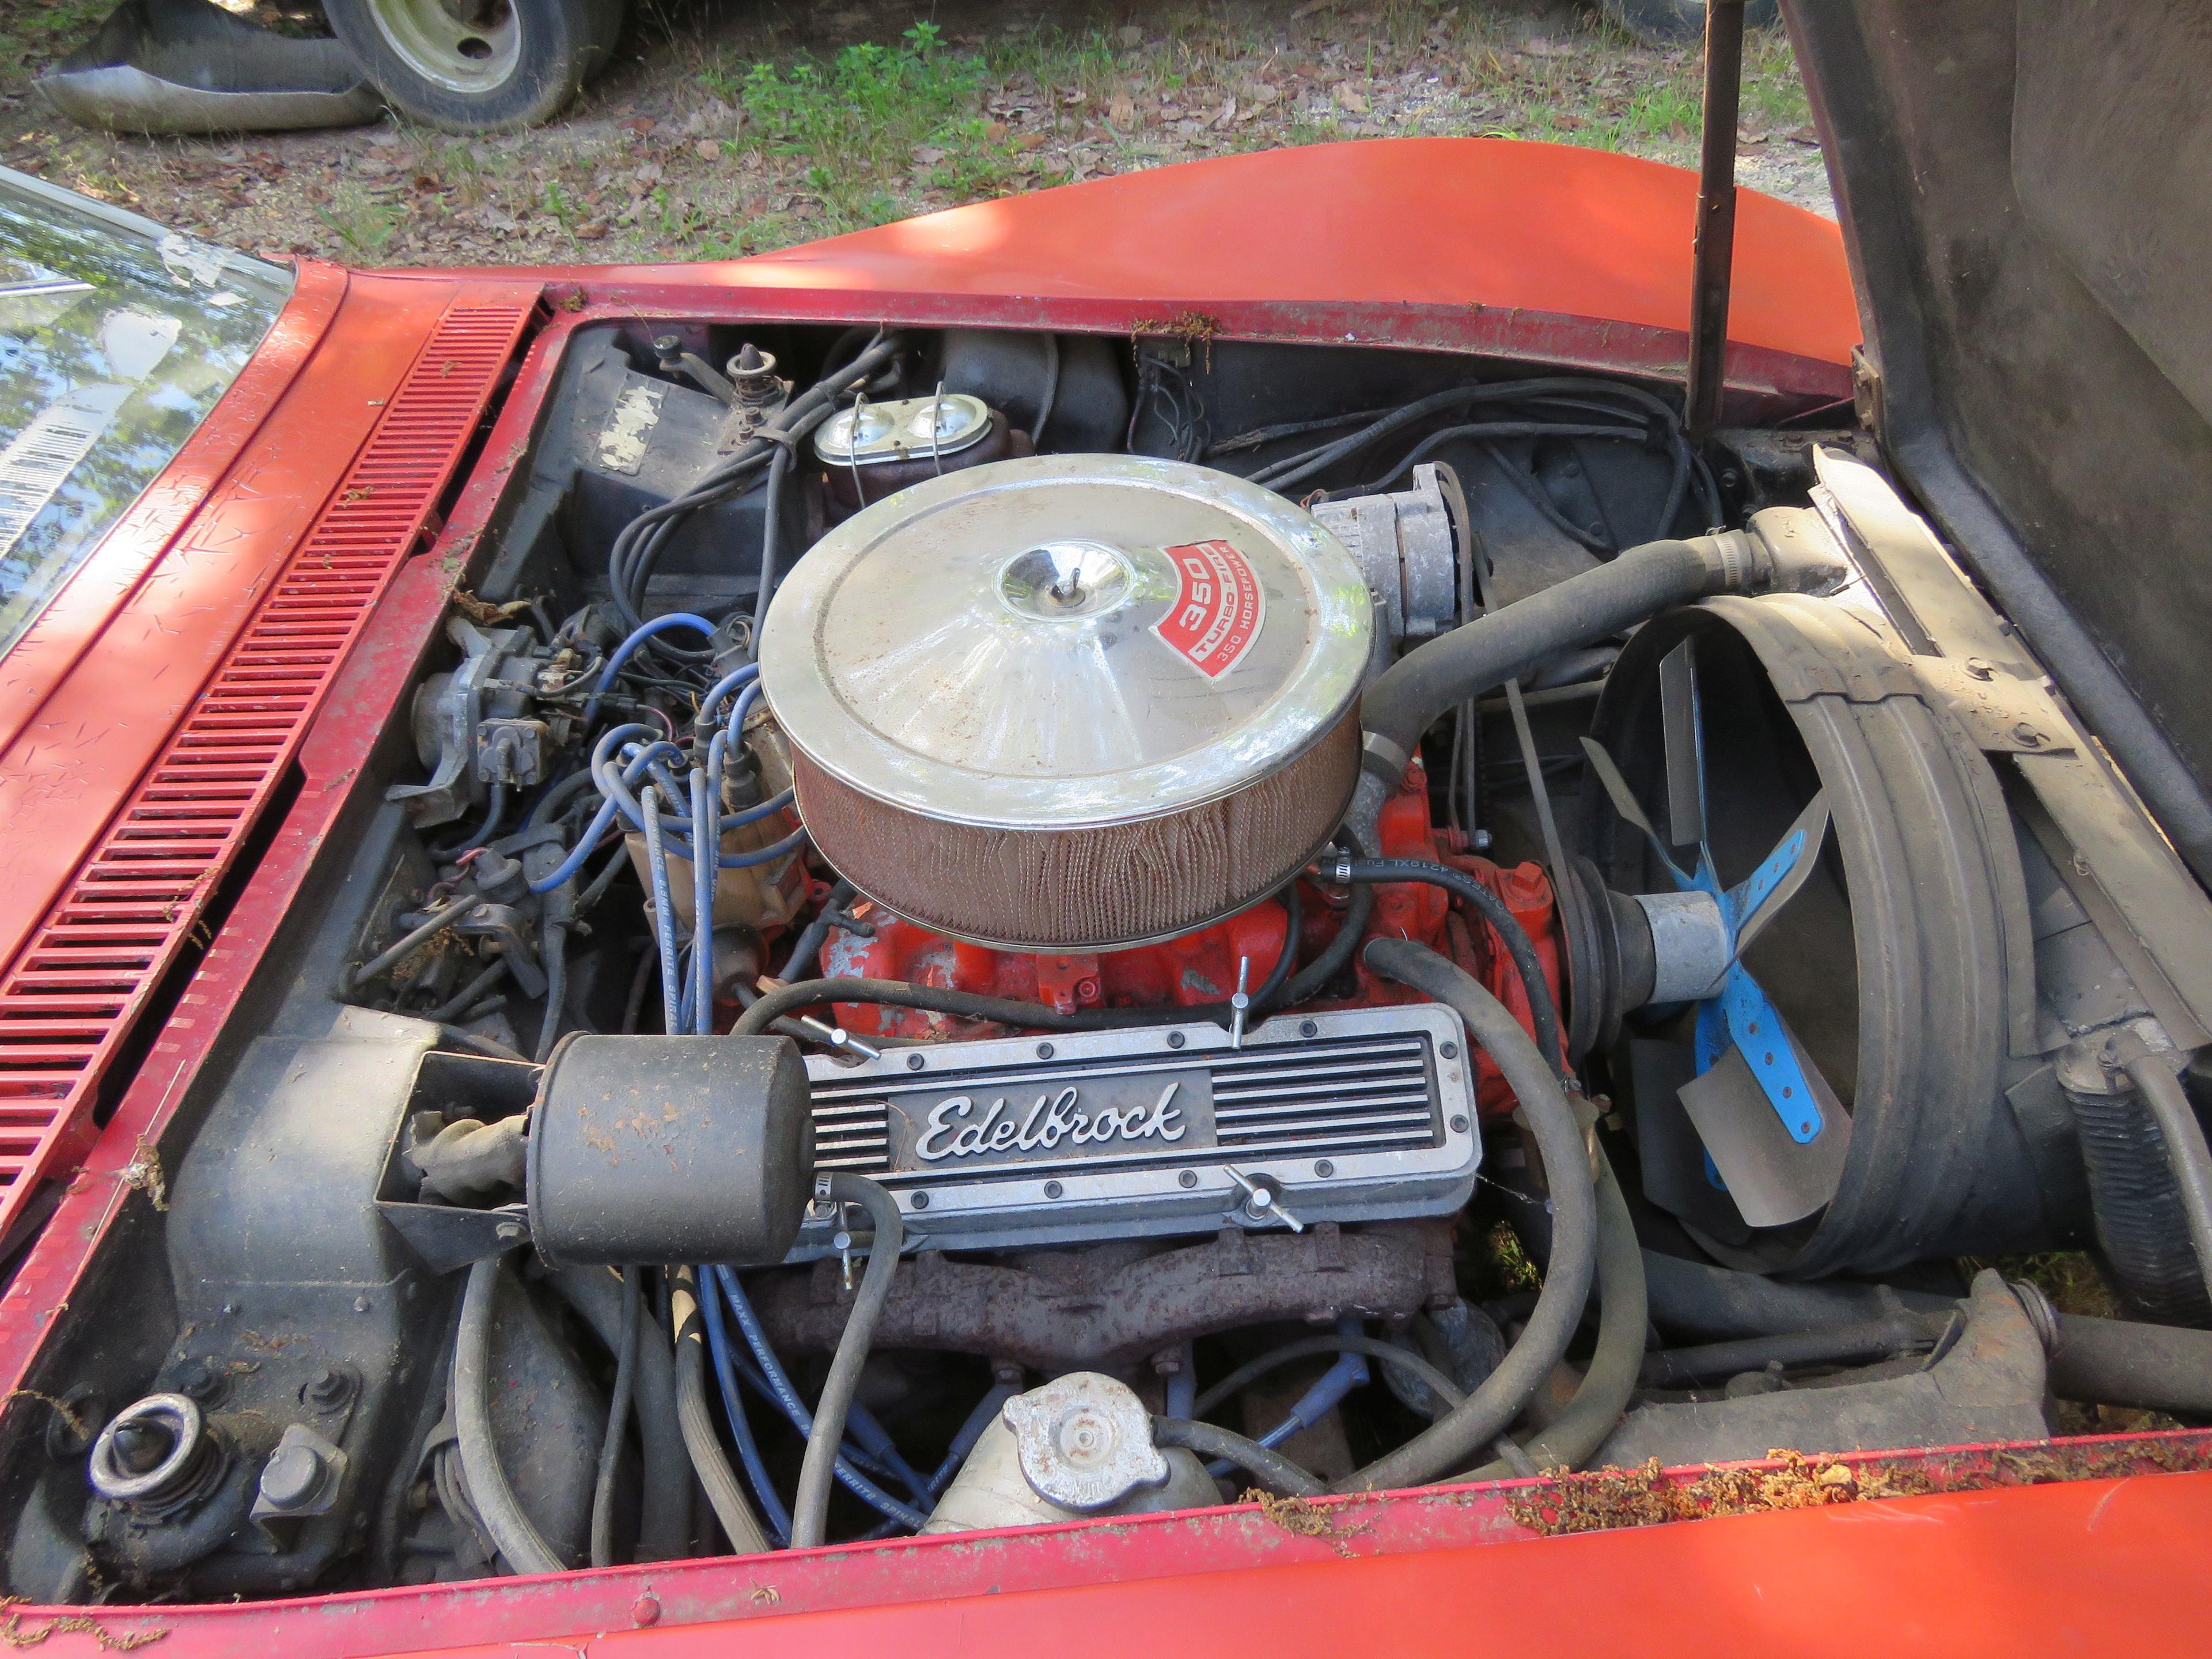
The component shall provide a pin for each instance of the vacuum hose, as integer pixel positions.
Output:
(724, 1494)
(518, 1540)
(810, 1513)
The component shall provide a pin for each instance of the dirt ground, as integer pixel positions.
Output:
(727, 127)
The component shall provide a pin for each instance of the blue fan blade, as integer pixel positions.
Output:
(1741, 901)
(1758, 1035)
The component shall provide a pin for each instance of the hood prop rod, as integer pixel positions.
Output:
(1713, 258)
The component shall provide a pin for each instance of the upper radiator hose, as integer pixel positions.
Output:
(1785, 549)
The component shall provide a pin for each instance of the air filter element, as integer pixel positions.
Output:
(1071, 703)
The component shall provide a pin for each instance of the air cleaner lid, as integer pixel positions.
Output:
(1064, 640)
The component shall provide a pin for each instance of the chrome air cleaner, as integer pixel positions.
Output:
(1071, 703)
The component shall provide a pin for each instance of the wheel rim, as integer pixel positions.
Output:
(465, 45)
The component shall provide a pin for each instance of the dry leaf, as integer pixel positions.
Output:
(1350, 102)
(1132, 36)
(707, 149)
(1121, 112)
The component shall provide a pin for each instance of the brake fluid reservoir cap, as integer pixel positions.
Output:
(1063, 641)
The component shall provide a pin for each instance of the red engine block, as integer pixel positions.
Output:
(1200, 967)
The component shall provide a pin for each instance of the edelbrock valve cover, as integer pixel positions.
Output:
(1366, 1114)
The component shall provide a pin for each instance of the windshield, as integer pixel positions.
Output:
(116, 338)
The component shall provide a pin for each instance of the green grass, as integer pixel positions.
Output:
(857, 118)
(746, 129)
(33, 33)
(361, 221)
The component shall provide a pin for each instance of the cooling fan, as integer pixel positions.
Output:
(1772, 1129)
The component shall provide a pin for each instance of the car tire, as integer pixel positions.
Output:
(608, 17)
(478, 65)
(1673, 22)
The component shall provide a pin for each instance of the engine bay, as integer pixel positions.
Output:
(1278, 916)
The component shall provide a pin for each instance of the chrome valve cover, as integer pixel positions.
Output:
(1361, 1115)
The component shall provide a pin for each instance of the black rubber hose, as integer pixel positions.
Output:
(1570, 1439)
(1010, 1011)
(1696, 1301)
(554, 947)
(1518, 945)
(2186, 1153)
(771, 520)
(1306, 1347)
(517, 1539)
(810, 1508)
(401, 948)
(664, 1526)
(1831, 1345)
(467, 997)
(1506, 643)
(815, 934)
(2113, 1362)
(1469, 1428)
(495, 810)
(966, 1005)
(611, 1444)
(694, 1417)
(454, 1037)
(1270, 1469)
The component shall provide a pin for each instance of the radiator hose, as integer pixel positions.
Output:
(1463, 1432)
(1617, 1362)
(1508, 642)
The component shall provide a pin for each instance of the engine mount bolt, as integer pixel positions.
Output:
(914, 1062)
(329, 1388)
(1175, 1039)
(921, 1201)
(1459, 1126)
(1323, 1168)
(1448, 1050)
(1188, 1178)
(1044, 1051)
(1306, 1028)
(1978, 668)
(1054, 1189)
(2027, 734)
(646, 1610)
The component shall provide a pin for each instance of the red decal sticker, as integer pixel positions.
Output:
(1216, 615)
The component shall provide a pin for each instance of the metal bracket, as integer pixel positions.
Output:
(2002, 712)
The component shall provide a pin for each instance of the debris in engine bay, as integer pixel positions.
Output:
(1303, 1518)
(1603, 1500)
(15, 1634)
